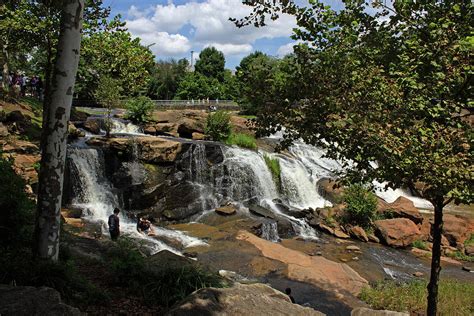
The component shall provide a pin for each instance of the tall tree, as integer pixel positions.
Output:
(211, 63)
(166, 77)
(387, 91)
(54, 135)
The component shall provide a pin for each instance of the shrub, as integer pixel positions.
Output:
(139, 109)
(163, 286)
(218, 126)
(274, 165)
(420, 244)
(458, 255)
(361, 205)
(242, 140)
(16, 209)
(455, 298)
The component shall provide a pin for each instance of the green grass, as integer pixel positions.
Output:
(420, 245)
(458, 255)
(274, 165)
(455, 298)
(242, 140)
(469, 241)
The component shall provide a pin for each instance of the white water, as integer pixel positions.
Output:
(121, 127)
(270, 231)
(96, 197)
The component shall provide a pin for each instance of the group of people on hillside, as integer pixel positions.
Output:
(144, 225)
(21, 85)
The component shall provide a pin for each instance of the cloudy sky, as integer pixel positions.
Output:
(175, 27)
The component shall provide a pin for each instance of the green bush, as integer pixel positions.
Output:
(139, 109)
(455, 297)
(274, 165)
(361, 205)
(458, 255)
(242, 140)
(420, 244)
(218, 126)
(16, 209)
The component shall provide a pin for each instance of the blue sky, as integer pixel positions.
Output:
(175, 27)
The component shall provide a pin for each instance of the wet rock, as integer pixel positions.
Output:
(418, 274)
(77, 115)
(358, 232)
(261, 211)
(93, 125)
(352, 248)
(240, 299)
(397, 232)
(403, 207)
(468, 269)
(329, 189)
(27, 300)
(226, 210)
(373, 238)
(457, 228)
(335, 231)
(198, 136)
(74, 132)
(363, 311)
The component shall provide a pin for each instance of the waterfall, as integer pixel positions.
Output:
(270, 231)
(94, 194)
(122, 127)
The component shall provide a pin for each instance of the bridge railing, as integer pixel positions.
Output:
(172, 104)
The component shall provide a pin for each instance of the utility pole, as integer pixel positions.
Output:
(192, 60)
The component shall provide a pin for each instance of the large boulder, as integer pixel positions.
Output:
(93, 125)
(188, 126)
(151, 149)
(27, 300)
(457, 229)
(330, 190)
(285, 228)
(403, 207)
(358, 232)
(397, 232)
(240, 299)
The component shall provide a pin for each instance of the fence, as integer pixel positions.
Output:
(172, 104)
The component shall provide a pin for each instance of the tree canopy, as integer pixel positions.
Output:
(211, 63)
(388, 91)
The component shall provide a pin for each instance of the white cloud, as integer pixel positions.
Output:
(206, 23)
(232, 49)
(285, 49)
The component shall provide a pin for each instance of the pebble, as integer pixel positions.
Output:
(418, 274)
(352, 248)
(355, 258)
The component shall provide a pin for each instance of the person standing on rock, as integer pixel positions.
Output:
(114, 224)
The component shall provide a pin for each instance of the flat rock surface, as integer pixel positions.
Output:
(312, 269)
(253, 299)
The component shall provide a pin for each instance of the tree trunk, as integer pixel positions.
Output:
(55, 127)
(435, 258)
(5, 71)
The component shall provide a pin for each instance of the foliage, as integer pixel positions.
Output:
(16, 209)
(455, 298)
(459, 255)
(469, 241)
(218, 125)
(211, 63)
(255, 76)
(361, 205)
(165, 78)
(108, 95)
(420, 244)
(242, 140)
(273, 165)
(113, 53)
(161, 285)
(197, 86)
(139, 109)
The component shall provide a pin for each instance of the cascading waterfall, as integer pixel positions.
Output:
(270, 231)
(123, 127)
(94, 194)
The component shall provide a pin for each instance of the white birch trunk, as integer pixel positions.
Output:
(55, 128)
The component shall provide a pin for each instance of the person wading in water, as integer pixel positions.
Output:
(114, 224)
